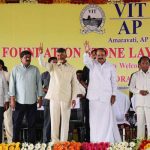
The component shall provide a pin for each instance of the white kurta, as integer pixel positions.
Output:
(141, 81)
(62, 89)
(102, 86)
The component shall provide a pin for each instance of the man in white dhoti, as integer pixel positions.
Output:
(62, 92)
(4, 100)
(8, 117)
(101, 94)
(140, 87)
(8, 113)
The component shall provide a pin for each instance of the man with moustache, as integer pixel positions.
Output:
(85, 79)
(45, 77)
(101, 94)
(140, 87)
(25, 91)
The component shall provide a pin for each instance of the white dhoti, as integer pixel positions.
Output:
(103, 126)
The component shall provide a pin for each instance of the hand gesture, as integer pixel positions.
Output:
(41, 48)
(143, 92)
(73, 103)
(40, 102)
(113, 99)
(87, 47)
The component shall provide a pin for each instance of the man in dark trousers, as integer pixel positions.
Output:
(25, 91)
(45, 77)
(85, 78)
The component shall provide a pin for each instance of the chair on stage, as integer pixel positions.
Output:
(77, 128)
(120, 108)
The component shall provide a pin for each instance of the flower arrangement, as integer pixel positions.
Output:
(38, 146)
(138, 144)
(123, 146)
(67, 146)
(144, 145)
(95, 146)
(11, 146)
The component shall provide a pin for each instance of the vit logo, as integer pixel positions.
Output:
(92, 19)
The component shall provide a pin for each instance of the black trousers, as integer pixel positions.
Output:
(47, 124)
(1, 123)
(30, 111)
(86, 116)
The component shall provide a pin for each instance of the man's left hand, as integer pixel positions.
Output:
(113, 99)
(73, 103)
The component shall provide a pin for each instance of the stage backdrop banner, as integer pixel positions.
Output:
(123, 29)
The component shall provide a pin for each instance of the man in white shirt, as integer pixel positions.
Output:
(140, 87)
(45, 77)
(25, 90)
(8, 113)
(101, 94)
(3, 97)
(82, 85)
(81, 88)
(62, 91)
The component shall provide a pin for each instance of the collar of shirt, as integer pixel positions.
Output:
(148, 71)
(60, 64)
(24, 66)
(105, 63)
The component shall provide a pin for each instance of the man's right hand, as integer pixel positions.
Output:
(45, 90)
(73, 103)
(87, 47)
(6, 106)
(143, 92)
(12, 102)
(41, 48)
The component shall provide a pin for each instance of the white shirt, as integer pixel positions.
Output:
(81, 89)
(63, 83)
(140, 81)
(7, 76)
(3, 89)
(25, 84)
(103, 78)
